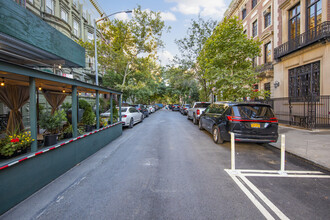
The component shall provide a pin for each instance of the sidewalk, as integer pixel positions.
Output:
(311, 145)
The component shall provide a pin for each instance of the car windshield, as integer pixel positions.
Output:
(253, 111)
(187, 106)
(202, 105)
(123, 109)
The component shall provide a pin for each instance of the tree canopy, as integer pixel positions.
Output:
(227, 59)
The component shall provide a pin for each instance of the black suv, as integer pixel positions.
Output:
(251, 122)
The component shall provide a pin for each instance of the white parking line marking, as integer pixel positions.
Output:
(264, 198)
(276, 171)
(288, 175)
(251, 197)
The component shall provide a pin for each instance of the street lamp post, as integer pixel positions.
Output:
(95, 23)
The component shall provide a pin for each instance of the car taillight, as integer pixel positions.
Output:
(184, 108)
(234, 118)
(198, 112)
(124, 116)
(139, 109)
(237, 118)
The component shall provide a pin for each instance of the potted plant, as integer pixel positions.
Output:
(13, 145)
(88, 118)
(67, 131)
(52, 124)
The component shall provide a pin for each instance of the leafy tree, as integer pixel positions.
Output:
(127, 52)
(190, 48)
(227, 59)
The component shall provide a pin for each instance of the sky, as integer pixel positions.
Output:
(176, 13)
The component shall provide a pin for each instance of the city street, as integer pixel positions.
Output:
(166, 168)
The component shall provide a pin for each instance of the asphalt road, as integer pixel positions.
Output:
(165, 168)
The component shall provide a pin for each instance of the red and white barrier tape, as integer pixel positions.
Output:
(57, 146)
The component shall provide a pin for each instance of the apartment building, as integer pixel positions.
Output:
(302, 49)
(258, 23)
(71, 18)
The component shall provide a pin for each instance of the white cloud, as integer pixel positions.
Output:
(122, 16)
(165, 57)
(168, 16)
(211, 8)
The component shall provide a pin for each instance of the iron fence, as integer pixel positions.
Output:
(307, 112)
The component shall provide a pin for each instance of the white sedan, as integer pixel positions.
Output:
(151, 109)
(130, 116)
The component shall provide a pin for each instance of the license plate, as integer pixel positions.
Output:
(255, 125)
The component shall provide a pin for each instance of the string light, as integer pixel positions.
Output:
(39, 88)
(63, 90)
(2, 82)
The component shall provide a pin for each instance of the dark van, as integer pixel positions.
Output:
(250, 122)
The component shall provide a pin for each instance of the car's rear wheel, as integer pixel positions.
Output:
(131, 123)
(200, 124)
(217, 135)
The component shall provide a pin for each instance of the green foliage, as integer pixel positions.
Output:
(88, 117)
(52, 123)
(66, 106)
(226, 58)
(15, 143)
(129, 53)
(68, 129)
(190, 47)
(83, 104)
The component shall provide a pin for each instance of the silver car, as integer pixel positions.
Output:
(130, 116)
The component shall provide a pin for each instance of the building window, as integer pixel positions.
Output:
(254, 3)
(76, 28)
(254, 62)
(243, 13)
(50, 7)
(64, 15)
(294, 22)
(314, 13)
(255, 29)
(304, 81)
(268, 52)
(268, 18)
(90, 36)
(267, 89)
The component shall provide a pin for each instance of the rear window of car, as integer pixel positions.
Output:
(123, 109)
(187, 105)
(253, 111)
(202, 105)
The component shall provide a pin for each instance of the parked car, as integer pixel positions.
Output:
(184, 108)
(151, 109)
(176, 107)
(142, 109)
(106, 114)
(130, 116)
(251, 122)
(197, 109)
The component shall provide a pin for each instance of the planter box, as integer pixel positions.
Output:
(50, 139)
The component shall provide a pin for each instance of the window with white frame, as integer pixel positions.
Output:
(64, 15)
(267, 18)
(268, 52)
(90, 36)
(76, 28)
(50, 6)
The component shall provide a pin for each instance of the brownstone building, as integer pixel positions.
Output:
(258, 23)
(295, 60)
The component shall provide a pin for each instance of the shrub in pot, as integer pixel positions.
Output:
(88, 118)
(52, 124)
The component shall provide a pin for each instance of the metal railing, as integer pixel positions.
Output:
(319, 32)
(307, 112)
(264, 67)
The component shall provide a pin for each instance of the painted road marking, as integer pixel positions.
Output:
(239, 176)
(253, 199)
